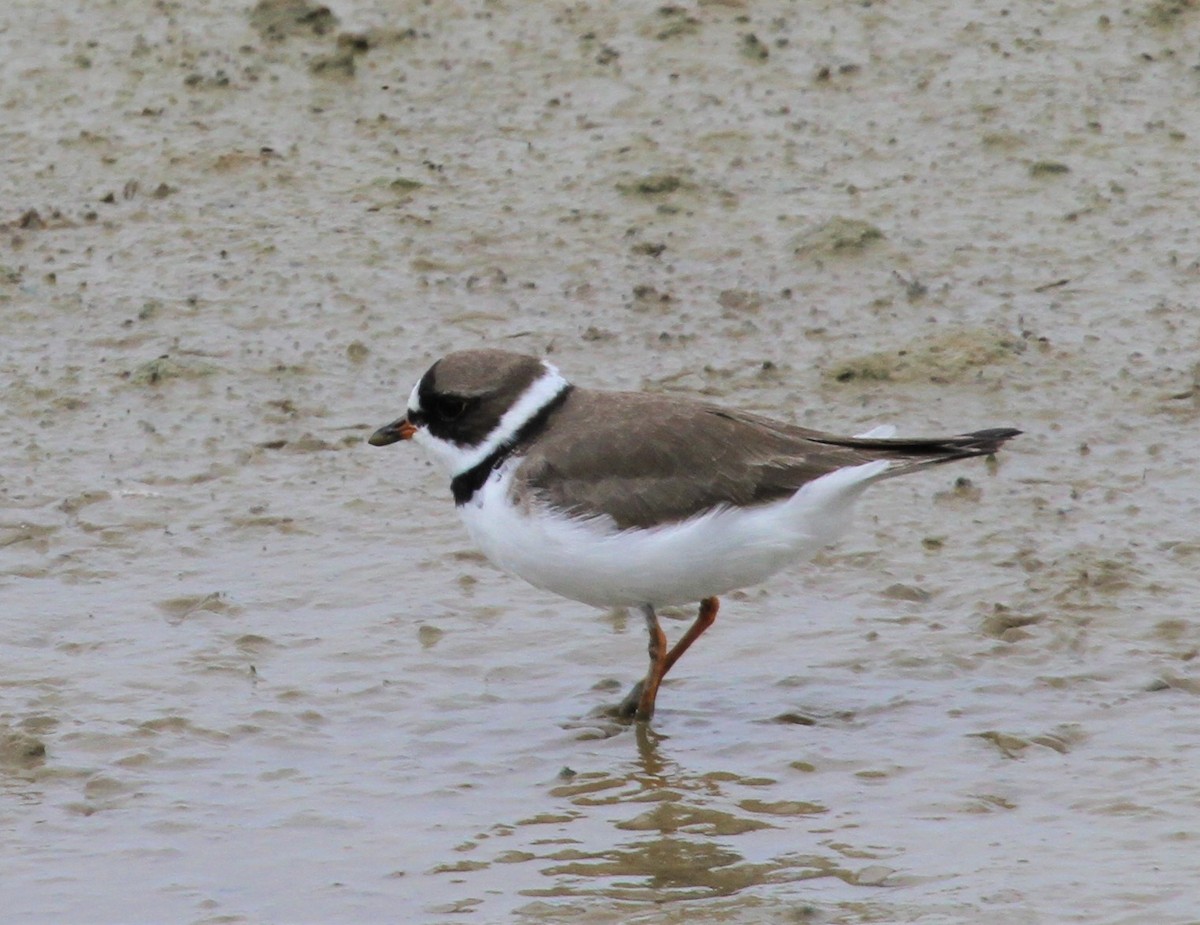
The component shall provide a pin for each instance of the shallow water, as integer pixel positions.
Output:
(250, 668)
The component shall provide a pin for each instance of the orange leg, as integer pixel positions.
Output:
(705, 619)
(640, 701)
(658, 666)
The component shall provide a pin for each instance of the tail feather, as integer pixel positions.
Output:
(918, 452)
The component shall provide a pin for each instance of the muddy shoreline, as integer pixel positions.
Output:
(253, 664)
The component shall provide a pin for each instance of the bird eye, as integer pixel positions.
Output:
(451, 407)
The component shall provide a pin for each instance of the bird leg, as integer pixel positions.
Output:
(704, 619)
(639, 703)
(647, 689)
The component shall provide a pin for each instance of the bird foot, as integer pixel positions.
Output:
(628, 707)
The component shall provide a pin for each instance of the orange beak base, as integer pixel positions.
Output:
(399, 429)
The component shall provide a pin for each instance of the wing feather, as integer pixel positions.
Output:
(600, 459)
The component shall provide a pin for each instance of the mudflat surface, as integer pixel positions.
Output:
(252, 670)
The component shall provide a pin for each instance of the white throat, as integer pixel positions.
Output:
(457, 459)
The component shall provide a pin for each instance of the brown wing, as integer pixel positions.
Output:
(646, 459)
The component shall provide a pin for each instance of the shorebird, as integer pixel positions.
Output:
(630, 499)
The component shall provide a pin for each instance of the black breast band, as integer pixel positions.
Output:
(465, 484)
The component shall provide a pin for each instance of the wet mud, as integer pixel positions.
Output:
(252, 666)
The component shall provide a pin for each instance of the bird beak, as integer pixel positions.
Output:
(399, 429)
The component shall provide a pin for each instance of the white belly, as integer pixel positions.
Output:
(717, 552)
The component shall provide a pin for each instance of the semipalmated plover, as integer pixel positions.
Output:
(629, 499)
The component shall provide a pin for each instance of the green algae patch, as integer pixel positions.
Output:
(783, 807)
(20, 750)
(276, 20)
(166, 368)
(839, 236)
(1167, 13)
(1041, 169)
(956, 356)
(652, 185)
(752, 48)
